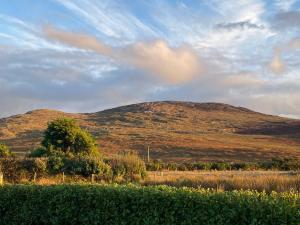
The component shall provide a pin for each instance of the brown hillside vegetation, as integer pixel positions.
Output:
(175, 131)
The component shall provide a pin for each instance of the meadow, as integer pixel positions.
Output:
(279, 181)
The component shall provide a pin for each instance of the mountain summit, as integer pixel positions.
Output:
(174, 131)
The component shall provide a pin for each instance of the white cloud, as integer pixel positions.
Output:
(170, 65)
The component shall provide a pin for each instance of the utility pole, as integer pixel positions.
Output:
(148, 125)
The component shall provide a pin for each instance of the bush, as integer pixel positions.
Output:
(156, 165)
(94, 204)
(79, 165)
(4, 151)
(129, 166)
(56, 163)
(39, 152)
(86, 166)
(14, 169)
(281, 164)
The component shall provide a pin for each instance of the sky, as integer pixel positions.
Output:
(90, 55)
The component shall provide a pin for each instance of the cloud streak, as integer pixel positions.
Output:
(277, 66)
(170, 65)
(242, 25)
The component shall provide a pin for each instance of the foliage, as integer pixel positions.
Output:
(15, 169)
(5, 151)
(86, 166)
(156, 165)
(285, 164)
(65, 135)
(128, 165)
(56, 162)
(282, 164)
(39, 152)
(94, 204)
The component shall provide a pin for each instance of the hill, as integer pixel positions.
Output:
(175, 131)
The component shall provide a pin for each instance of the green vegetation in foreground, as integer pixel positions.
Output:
(283, 164)
(5, 151)
(95, 204)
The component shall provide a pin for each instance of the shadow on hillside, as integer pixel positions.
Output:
(280, 128)
(212, 154)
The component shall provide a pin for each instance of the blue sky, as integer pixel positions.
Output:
(88, 55)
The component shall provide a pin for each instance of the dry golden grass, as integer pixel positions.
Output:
(175, 131)
(228, 180)
(221, 180)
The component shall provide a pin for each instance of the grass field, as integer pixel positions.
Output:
(279, 181)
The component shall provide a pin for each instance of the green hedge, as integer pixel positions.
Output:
(94, 204)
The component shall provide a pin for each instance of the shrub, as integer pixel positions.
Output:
(4, 151)
(94, 204)
(86, 166)
(15, 169)
(172, 166)
(39, 152)
(130, 166)
(156, 165)
(56, 162)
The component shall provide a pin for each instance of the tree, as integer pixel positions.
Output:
(4, 151)
(84, 142)
(65, 135)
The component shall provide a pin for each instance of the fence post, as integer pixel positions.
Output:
(1, 178)
(63, 177)
(92, 178)
(34, 177)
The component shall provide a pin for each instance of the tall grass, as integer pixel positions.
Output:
(228, 181)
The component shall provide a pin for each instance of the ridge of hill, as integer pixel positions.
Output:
(174, 131)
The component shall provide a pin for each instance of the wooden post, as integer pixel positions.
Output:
(148, 155)
(63, 177)
(34, 177)
(1, 178)
(92, 178)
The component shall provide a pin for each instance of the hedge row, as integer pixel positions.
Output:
(275, 164)
(93, 204)
(18, 170)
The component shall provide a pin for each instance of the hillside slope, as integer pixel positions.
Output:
(175, 131)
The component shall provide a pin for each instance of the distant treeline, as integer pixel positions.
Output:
(285, 164)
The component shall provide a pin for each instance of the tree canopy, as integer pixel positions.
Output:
(65, 135)
(5, 151)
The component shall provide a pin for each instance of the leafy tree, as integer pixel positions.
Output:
(84, 143)
(5, 151)
(65, 135)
